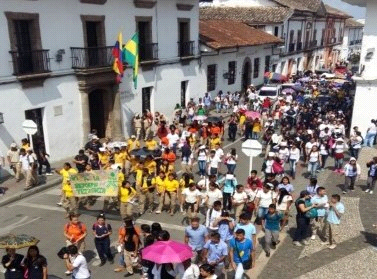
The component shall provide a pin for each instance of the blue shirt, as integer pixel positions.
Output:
(101, 230)
(332, 218)
(196, 237)
(230, 185)
(249, 230)
(321, 210)
(273, 221)
(225, 232)
(216, 250)
(241, 250)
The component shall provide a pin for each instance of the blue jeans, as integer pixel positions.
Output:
(262, 211)
(312, 168)
(292, 164)
(202, 167)
(338, 163)
(369, 138)
(255, 135)
(354, 152)
(231, 167)
(218, 107)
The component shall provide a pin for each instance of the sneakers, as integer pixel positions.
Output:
(367, 190)
(332, 246)
(158, 212)
(297, 243)
(305, 242)
(344, 192)
(371, 192)
(313, 237)
(119, 269)
(68, 272)
(49, 173)
(59, 204)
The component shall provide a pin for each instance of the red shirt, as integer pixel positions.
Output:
(259, 182)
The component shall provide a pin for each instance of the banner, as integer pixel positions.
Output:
(95, 183)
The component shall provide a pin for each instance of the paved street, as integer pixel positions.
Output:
(38, 215)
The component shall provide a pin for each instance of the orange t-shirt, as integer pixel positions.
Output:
(75, 230)
(122, 233)
(215, 130)
(170, 157)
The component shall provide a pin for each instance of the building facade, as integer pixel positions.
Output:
(353, 36)
(57, 67)
(366, 79)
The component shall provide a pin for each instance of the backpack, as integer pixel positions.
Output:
(312, 213)
(277, 168)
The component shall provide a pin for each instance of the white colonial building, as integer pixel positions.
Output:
(57, 67)
(352, 40)
(234, 55)
(366, 81)
(312, 32)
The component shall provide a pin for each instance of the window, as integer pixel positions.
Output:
(232, 72)
(299, 36)
(184, 85)
(267, 60)
(256, 68)
(185, 46)
(276, 31)
(211, 77)
(291, 36)
(146, 94)
(144, 27)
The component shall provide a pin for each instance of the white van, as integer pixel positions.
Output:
(269, 91)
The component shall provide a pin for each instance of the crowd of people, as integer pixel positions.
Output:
(178, 165)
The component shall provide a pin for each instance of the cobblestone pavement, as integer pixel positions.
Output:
(355, 255)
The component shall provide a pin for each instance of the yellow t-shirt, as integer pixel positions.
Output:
(103, 158)
(139, 176)
(131, 145)
(257, 127)
(214, 141)
(67, 189)
(160, 184)
(121, 178)
(171, 185)
(242, 119)
(151, 166)
(125, 195)
(151, 144)
(145, 184)
(119, 158)
(182, 183)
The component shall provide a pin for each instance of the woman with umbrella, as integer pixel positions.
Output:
(35, 264)
(12, 263)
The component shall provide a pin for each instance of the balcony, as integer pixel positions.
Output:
(186, 49)
(322, 42)
(148, 52)
(352, 43)
(307, 45)
(91, 57)
(313, 44)
(30, 62)
(291, 47)
(299, 46)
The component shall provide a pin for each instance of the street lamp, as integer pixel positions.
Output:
(1, 118)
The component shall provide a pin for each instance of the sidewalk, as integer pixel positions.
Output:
(14, 191)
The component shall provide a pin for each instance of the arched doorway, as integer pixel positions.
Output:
(246, 74)
(97, 112)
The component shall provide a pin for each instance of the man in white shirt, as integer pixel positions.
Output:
(212, 215)
(29, 168)
(190, 200)
(213, 163)
(173, 139)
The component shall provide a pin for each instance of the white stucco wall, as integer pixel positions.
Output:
(243, 3)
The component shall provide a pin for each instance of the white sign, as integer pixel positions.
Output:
(251, 148)
(29, 127)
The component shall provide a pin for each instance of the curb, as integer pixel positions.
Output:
(30, 192)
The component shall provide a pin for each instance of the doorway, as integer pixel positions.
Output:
(246, 74)
(146, 93)
(183, 93)
(97, 112)
(38, 138)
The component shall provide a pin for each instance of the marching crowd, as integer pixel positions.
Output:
(292, 128)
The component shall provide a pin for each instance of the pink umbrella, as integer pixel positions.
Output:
(167, 252)
(252, 114)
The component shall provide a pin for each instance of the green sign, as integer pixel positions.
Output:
(95, 183)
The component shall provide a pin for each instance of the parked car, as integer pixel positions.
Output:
(270, 91)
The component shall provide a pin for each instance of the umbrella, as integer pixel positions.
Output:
(17, 241)
(141, 152)
(277, 77)
(288, 91)
(252, 114)
(169, 251)
(297, 87)
(199, 117)
(214, 119)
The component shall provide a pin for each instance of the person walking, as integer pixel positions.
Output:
(76, 263)
(68, 201)
(75, 232)
(13, 157)
(352, 172)
(372, 175)
(171, 192)
(333, 220)
(35, 264)
(131, 247)
(196, 236)
(313, 161)
(12, 261)
(231, 160)
(303, 205)
(294, 157)
(202, 160)
(215, 251)
(322, 205)
(339, 146)
(240, 252)
(371, 134)
(239, 200)
(191, 200)
(102, 232)
(127, 195)
(271, 225)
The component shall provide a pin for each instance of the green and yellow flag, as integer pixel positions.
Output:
(131, 55)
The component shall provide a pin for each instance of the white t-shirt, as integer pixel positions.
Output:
(230, 160)
(372, 129)
(284, 203)
(213, 196)
(80, 266)
(202, 156)
(269, 166)
(192, 272)
(191, 196)
(313, 157)
(251, 194)
(211, 216)
(173, 138)
(265, 199)
(214, 162)
(294, 154)
(25, 164)
(219, 153)
(239, 197)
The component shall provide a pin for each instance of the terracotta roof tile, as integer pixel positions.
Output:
(334, 11)
(350, 22)
(252, 15)
(218, 34)
(302, 5)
